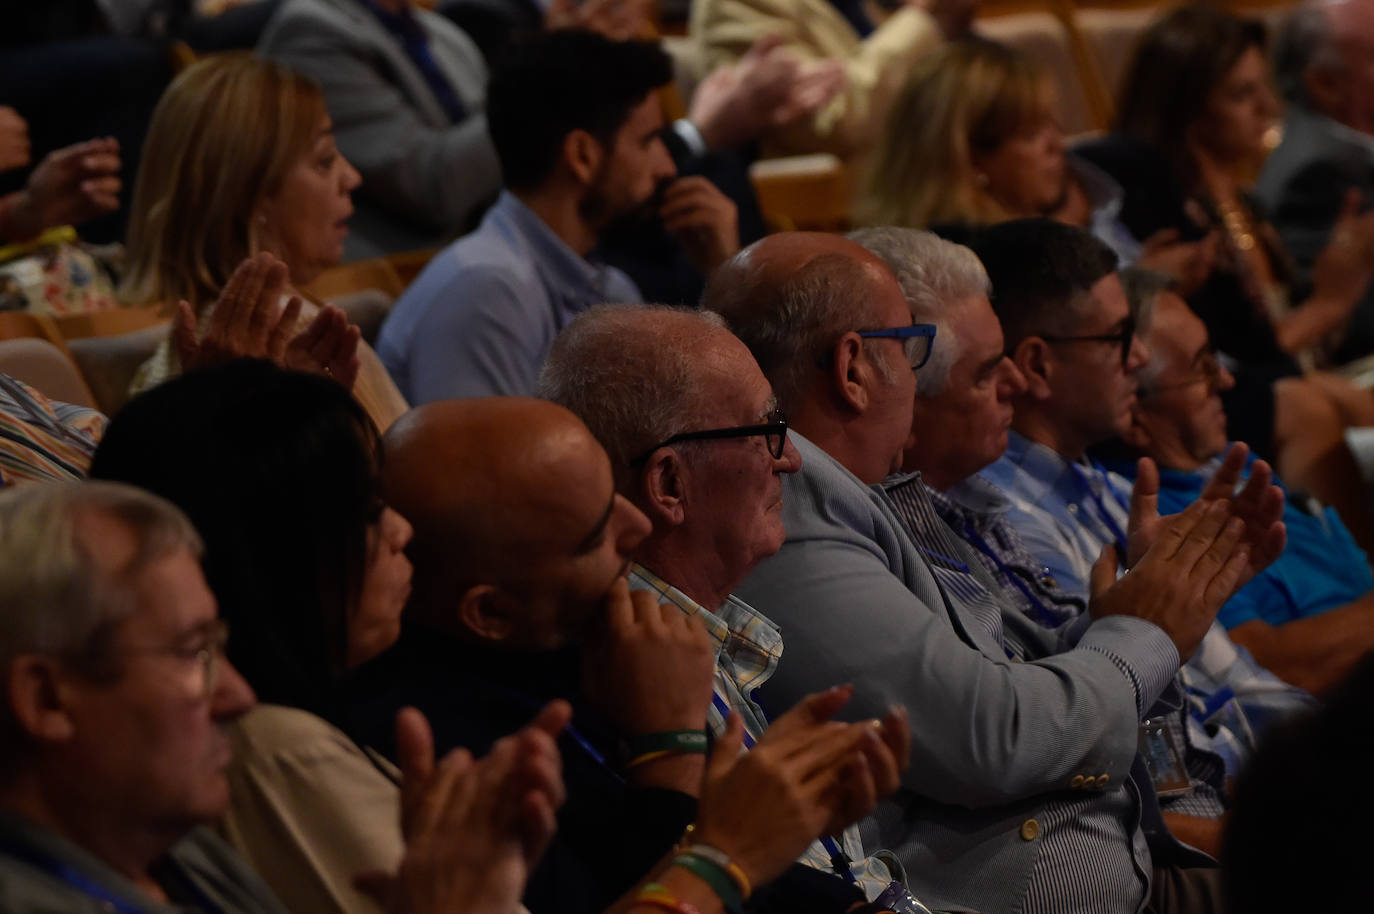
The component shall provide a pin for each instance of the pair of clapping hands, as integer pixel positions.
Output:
(248, 321)
(475, 829)
(1183, 567)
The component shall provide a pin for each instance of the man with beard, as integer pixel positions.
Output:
(576, 124)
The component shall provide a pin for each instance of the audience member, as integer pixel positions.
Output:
(1025, 773)
(250, 142)
(1195, 106)
(116, 700)
(965, 391)
(307, 565)
(1309, 617)
(974, 139)
(41, 439)
(1069, 329)
(1295, 786)
(875, 57)
(697, 443)
(1325, 153)
(576, 123)
(520, 550)
(417, 129)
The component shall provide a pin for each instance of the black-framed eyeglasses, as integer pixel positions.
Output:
(917, 339)
(1125, 336)
(1206, 370)
(773, 432)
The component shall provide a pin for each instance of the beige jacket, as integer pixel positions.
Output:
(875, 67)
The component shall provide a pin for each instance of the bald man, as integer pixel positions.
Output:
(521, 548)
(1019, 799)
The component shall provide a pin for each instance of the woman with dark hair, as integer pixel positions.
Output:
(1194, 112)
(279, 473)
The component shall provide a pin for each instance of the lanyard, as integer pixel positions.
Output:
(1113, 527)
(69, 875)
(839, 860)
(1047, 618)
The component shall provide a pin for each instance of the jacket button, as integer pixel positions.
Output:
(1076, 782)
(1030, 830)
(1102, 781)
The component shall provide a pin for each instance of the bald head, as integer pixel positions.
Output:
(492, 486)
(791, 295)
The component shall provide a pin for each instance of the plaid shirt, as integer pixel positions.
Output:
(748, 648)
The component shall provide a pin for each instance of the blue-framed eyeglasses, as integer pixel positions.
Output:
(917, 339)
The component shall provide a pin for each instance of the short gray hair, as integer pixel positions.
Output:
(1143, 288)
(933, 273)
(55, 599)
(789, 325)
(1305, 41)
(616, 367)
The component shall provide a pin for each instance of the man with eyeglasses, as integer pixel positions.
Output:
(699, 445)
(1309, 617)
(1019, 799)
(1070, 329)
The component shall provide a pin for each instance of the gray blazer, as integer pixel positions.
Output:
(424, 177)
(995, 743)
(1302, 187)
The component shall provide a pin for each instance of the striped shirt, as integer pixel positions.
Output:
(748, 648)
(41, 440)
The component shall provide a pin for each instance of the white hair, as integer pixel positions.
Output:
(933, 273)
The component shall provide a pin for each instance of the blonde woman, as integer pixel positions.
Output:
(239, 160)
(973, 138)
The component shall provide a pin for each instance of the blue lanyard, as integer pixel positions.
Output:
(1117, 533)
(839, 860)
(76, 880)
(1047, 618)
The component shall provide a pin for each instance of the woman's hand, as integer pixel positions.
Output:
(70, 186)
(247, 322)
(14, 140)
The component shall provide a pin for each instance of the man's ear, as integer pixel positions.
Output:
(583, 155)
(34, 691)
(664, 485)
(852, 373)
(488, 612)
(1032, 356)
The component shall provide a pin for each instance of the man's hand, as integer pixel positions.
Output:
(703, 220)
(1193, 567)
(1188, 262)
(1342, 271)
(247, 321)
(765, 89)
(618, 20)
(763, 807)
(1259, 505)
(70, 186)
(650, 667)
(473, 829)
(14, 140)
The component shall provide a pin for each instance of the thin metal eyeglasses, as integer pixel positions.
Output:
(206, 653)
(1125, 336)
(1206, 370)
(917, 339)
(774, 433)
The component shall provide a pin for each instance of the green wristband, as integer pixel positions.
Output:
(676, 742)
(716, 877)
